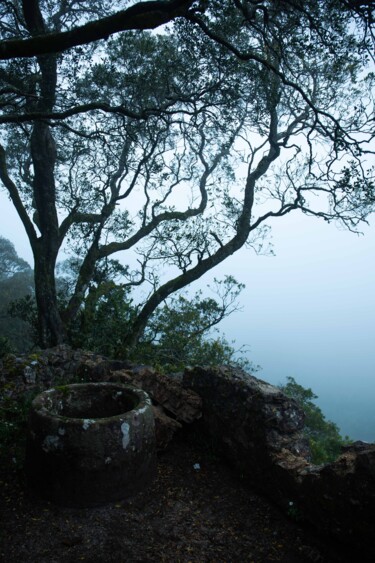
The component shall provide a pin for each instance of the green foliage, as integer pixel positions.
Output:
(176, 351)
(180, 333)
(5, 346)
(10, 262)
(14, 412)
(177, 335)
(24, 308)
(324, 436)
(16, 300)
(177, 145)
(104, 321)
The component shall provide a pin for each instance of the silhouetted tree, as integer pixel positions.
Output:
(177, 147)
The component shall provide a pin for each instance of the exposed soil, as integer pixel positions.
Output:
(201, 514)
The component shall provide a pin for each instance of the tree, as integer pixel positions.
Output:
(323, 435)
(16, 283)
(180, 333)
(10, 262)
(177, 147)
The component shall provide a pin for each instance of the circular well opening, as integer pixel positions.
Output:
(90, 401)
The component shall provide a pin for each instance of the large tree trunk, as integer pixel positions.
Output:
(50, 326)
(43, 154)
(51, 329)
(43, 150)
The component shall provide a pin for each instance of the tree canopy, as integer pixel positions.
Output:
(16, 283)
(172, 149)
(10, 262)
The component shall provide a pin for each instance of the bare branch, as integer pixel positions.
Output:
(14, 195)
(144, 15)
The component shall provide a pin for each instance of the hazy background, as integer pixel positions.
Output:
(308, 312)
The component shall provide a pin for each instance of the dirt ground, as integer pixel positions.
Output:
(189, 514)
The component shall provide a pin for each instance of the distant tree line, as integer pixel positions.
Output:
(16, 285)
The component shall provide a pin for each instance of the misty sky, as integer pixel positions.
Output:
(308, 312)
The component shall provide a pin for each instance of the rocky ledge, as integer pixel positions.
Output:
(248, 421)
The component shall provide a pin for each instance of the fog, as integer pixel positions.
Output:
(308, 312)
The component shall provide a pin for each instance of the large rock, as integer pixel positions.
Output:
(259, 430)
(340, 497)
(165, 428)
(175, 405)
(248, 420)
(184, 404)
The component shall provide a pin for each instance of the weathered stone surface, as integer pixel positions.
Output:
(47, 367)
(340, 496)
(165, 428)
(63, 365)
(259, 430)
(91, 443)
(247, 419)
(184, 404)
(167, 394)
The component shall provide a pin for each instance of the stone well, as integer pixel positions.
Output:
(89, 444)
